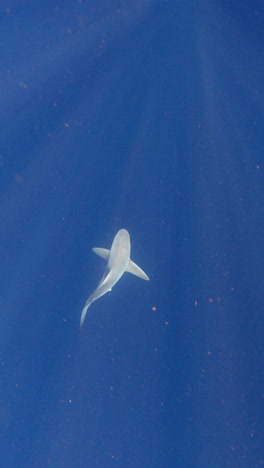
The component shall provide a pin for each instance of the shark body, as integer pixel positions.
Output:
(118, 261)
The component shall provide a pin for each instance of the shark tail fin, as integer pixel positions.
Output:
(84, 312)
(136, 270)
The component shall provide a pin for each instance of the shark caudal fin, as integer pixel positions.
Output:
(84, 312)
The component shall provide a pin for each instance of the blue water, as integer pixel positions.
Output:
(145, 115)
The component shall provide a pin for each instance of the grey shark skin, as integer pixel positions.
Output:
(118, 261)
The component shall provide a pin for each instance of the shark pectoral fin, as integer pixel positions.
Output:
(104, 253)
(135, 270)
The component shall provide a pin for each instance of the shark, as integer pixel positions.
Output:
(118, 261)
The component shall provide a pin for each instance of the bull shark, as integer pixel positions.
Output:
(118, 261)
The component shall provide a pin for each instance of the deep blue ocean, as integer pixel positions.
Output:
(146, 115)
